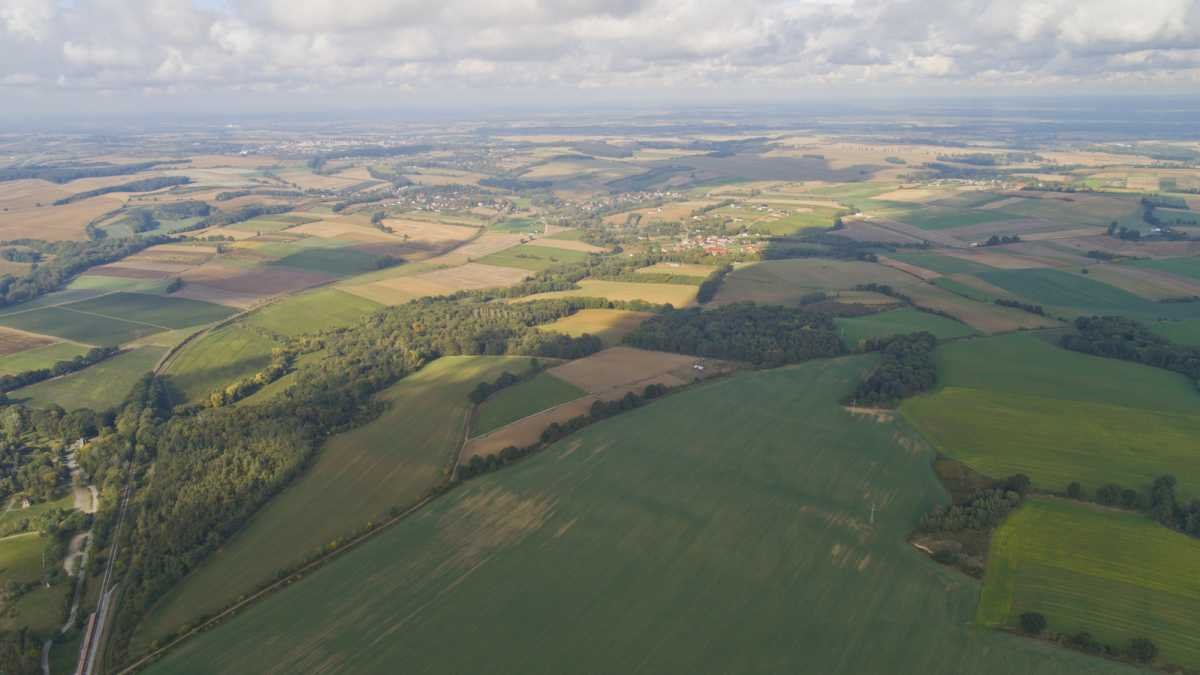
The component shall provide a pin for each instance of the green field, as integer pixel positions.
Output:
(98, 387)
(1183, 332)
(533, 258)
(959, 288)
(21, 557)
(216, 359)
(521, 400)
(816, 217)
(692, 545)
(1115, 574)
(517, 226)
(786, 281)
(1017, 403)
(1077, 293)
(944, 218)
(40, 357)
(40, 609)
(312, 311)
(91, 329)
(155, 310)
(343, 261)
(897, 322)
(1184, 267)
(355, 479)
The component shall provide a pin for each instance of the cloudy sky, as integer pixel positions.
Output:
(105, 54)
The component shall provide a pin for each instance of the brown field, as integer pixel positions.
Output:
(943, 237)
(1142, 249)
(27, 194)
(483, 245)
(1001, 259)
(914, 195)
(918, 272)
(253, 281)
(150, 265)
(470, 276)
(308, 180)
(860, 230)
(569, 245)
(56, 223)
(1022, 227)
(682, 269)
(1148, 283)
(1062, 234)
(13, 341)
(428, 231)
(981, 316)
(670, 211)
(678, 295)
(610, 325)
(218, 296)
(620, 366)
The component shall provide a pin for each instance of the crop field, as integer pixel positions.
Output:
(156, 310)
(215, 359)
(63, 322)
(312, 311)
(40, 357)
(343, 261)
(98, 387)
(982, 316)
(944, 264)
(899, 322)
(533, 257)
(252, 281)
(521, 400)
(1017, 403)
(610, 325)
(1115, 574)
(12, 341)
(56, 223)
(780, 568)
(677, 295)
(357, 476)
(1147, 283)
(568, 245)
(618, 366)
(1182, 332)
(471, 276)
(1077, 293)
(1184, 267)
(943, 218)
(786, 281)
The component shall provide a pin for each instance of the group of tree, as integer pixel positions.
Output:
(11, 381)
(142, 185)
(764, 335)
(393, 176)
(907, 368)
(1118, 337)
(709, 287)
(225, 218)
(1001, 239)
(1023, 306)
(1160, 502)
(1123, 233)
(983, 510)
(65, 173)
(67, 259)
(23, 255)
(234, 194)
(1139, 649)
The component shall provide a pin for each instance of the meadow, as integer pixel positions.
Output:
(98, 387)
(1017, 403)
(1182, 332)
(521, 400)
(610, 325)
(312, 311)
(899, 322)
(214, 360)
(943, 218)
(533, 258)
(40, 357)
(793, 560)
(1115, 574)
(1077, 293)
(40, 609)
(356, 477)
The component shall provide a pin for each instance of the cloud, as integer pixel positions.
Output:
(325, 46)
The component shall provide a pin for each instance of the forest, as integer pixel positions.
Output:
(907, 368)
(69, 259)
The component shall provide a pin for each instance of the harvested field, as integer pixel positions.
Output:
(569, 244)
(666, 212)
(918, 272)
(472, 276)
(680, 269)
(28, 194)
(217, 296)
(428, 231)
(619, 366)
(13, 341)
(678, 295)
(56, 223)
(479, 247)
(1001, 259)
(127, 272)
(610, 325)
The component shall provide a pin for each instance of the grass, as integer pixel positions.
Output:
(355, 479)
(648, 530)
(533, 258)
(154, 309)
(1117, 575)
(517, 226)
(610, 325)
(40, 357)
(98, 387)
(40, 609)
(1182, 332)
(1018, 404)
(679, 295)
(21, 557)
(897, 322)
(1077, 293)
(12, 517)
(1184, 267)
(943, 218)
(312, 311)
(959, 288)
(521, 400)
(817, 216)
(215, 360)
(93, 329)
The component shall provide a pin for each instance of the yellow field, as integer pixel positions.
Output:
(621, 366)
(682, 269)
(568, 245)
(610, 325)
(678, 295)
(27, 194)
(471, 276)
(56, 223)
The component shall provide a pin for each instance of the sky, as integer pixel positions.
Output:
(89, 56)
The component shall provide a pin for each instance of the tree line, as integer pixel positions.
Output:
(764, 335)
(57, 173)
(143, 185)
(1118, 337)
(709, 287)
(1023, 306)
(9, 382)
(907, 368)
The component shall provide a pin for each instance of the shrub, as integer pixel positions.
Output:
(1033, 623)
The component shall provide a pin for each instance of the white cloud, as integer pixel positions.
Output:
(322, 46)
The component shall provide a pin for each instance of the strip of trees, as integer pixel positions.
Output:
(57, 173)
(143, 185)
(93, 356)
(1118, 337)
(907, 368)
